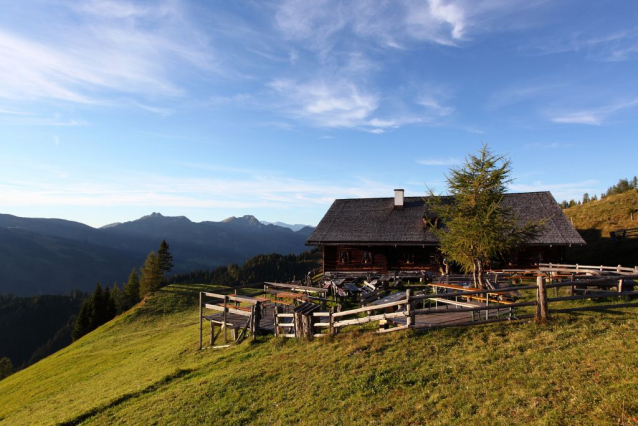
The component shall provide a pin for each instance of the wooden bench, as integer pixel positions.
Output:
(455, 302)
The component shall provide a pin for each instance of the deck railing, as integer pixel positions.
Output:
(405, 314)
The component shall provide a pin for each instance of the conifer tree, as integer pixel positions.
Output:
(98, 307)
(165, 258)
(476, 228)
(110, 312)
(83, 321)
(118, 299)
(131, 290)
(151, 275)
(6, 367)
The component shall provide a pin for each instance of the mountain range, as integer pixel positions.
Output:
(55, 256)
(295, 227)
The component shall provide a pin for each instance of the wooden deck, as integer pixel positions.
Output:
(266, 323)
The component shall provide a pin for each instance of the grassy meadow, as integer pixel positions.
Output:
(144, 367)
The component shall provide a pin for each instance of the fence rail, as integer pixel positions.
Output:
(406, 315)
(558, 267)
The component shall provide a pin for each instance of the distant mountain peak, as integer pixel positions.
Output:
(111, 225)
(248, 219)
(152, 216)
(296, 227)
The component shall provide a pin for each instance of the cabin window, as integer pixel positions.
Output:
(367, 257)
(408, 257)
(344, 256)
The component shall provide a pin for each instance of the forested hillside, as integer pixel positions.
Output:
(32, 328)
(52, 256)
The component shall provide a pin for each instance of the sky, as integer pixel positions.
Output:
(111, 110)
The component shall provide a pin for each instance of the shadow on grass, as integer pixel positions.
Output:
(117, 401)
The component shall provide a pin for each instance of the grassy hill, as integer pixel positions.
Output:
(144, 367)
(595, 220)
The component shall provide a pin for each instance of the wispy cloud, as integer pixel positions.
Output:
(396, 24)
(440, 161)
(242, 194)
(344, 104)
(110, 46)
(592, 117)
(550, 145)
(611, 46)
(560, 191)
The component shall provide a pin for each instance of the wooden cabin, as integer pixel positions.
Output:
(390, 234)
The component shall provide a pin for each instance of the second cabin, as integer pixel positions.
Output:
(391, 234)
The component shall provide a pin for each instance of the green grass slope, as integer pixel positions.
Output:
(144, 368)
(595, 220)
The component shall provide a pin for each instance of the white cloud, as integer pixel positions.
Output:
(160, 191)
(439, 161)
(393, 24)
(341, 103)
(594, 116)
(551, 145)
(110, 46)
(616, 46)
(337, 104)
(560, 191)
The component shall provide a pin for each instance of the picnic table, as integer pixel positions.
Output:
(479, 298)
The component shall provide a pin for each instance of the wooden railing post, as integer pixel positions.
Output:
(212, 333)
(277, 312)
(200, 319)
(331, 322)
(224, 318)
(620, 283)
(541, 300)
(256, 319)
(408, 309)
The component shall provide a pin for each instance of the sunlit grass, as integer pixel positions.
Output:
(144, 367)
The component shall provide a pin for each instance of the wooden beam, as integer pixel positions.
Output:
(369, 308)
(200, 320)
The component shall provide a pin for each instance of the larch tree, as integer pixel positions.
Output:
(473, 226)
(165, 258)
(151, 275)
(131, 290)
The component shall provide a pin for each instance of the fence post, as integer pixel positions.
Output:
(620, 283)
(225, 316)
(408, 309)
(200, 319)
(541, 301)
(331, 321)
(256, 319)
(277, 312)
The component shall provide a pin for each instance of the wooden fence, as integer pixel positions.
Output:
(405, 314)
(240, 319)
(588, 269)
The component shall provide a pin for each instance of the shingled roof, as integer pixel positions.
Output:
(375, 221)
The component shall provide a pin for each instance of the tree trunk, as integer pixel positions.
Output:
(479, 274)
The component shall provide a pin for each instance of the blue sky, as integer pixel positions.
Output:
(110, 110)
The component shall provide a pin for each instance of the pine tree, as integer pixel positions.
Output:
(83, 321)
(99, 306)
(131, 290)
(151, 275)
(110, 312)
(476, 228)
(165, 258)
(118, 298)
(585, 198)
(6, 367)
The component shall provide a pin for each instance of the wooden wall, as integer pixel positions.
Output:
(388, 258)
